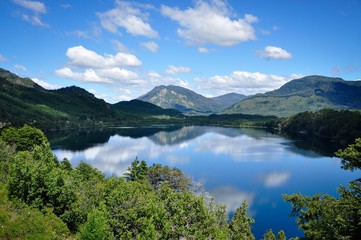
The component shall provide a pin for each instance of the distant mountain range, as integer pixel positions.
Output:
(310, 93)
(23, 101)
(189, 102)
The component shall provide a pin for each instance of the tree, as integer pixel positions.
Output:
(351, 156)
(281, 235)
(137, 171)
(158, 174)
(269, 235)
(25, 138)
(240, 225)
(326, 217)
(96, 227)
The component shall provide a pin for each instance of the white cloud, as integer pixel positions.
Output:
(36, 7)
(247, 83)
(272, 52)
(275, 179)
(203, 50)
(172, 70)
(126, 16)
(45, 84)
(151, 46)
(108, 75)
(232, 197)
(211, 23)
(20, 67)
(82, 57)
(120, 47)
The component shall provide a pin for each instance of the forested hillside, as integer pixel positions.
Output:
(311, 93)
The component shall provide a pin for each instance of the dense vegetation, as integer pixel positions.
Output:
(42, 198)
(331, 128)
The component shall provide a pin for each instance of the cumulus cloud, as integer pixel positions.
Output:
(172, 70)
(82, 57)
(275, 179)
(125, 15)
(151, 46)
(247, 83)
(36, 8)
(108, 75)
(272, 52)
(44, 84)
(211, 22)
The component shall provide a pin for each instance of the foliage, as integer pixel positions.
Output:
(326, 217)
(240, 226)
(41, 198)
(25, 138)
(137, 171)
(351, 156)
(96, 227)
(281, 235)
(19, 221)
(269, 235)
(158, 174)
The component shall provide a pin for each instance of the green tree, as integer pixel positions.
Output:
(326, 217)
(269, 235)
(96, 227)
(138, 170)
(25, 138)
(240, 225)
(351, 156)
(281, 235)
(158, 174)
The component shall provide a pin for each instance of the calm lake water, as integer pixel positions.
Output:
(232, 164)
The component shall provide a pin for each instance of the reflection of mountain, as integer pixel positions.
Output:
(81, 139)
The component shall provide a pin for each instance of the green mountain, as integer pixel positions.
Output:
(24, 102)
(310, 93)
(187, 101)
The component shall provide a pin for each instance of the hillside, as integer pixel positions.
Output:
(310, 93)
(24, 102)
(187, 101)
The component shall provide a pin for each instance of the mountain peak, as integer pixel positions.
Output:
(15, 79)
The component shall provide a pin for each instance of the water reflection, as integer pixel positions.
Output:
(232, 164)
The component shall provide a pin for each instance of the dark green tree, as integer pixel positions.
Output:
(138, 170)
(240, 225)
(351, 156)
(269, 235)
(25, 138)
(281, 235)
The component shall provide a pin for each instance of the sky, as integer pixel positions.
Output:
(119, 50)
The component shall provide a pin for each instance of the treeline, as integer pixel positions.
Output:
(43, 198)
(330, 127)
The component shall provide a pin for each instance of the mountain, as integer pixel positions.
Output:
(22, 101)
(145, 108)
(310, 93)
(187, 101)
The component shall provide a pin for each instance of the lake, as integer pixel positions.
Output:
(233, 164)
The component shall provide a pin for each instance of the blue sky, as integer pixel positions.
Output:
(119, 50)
